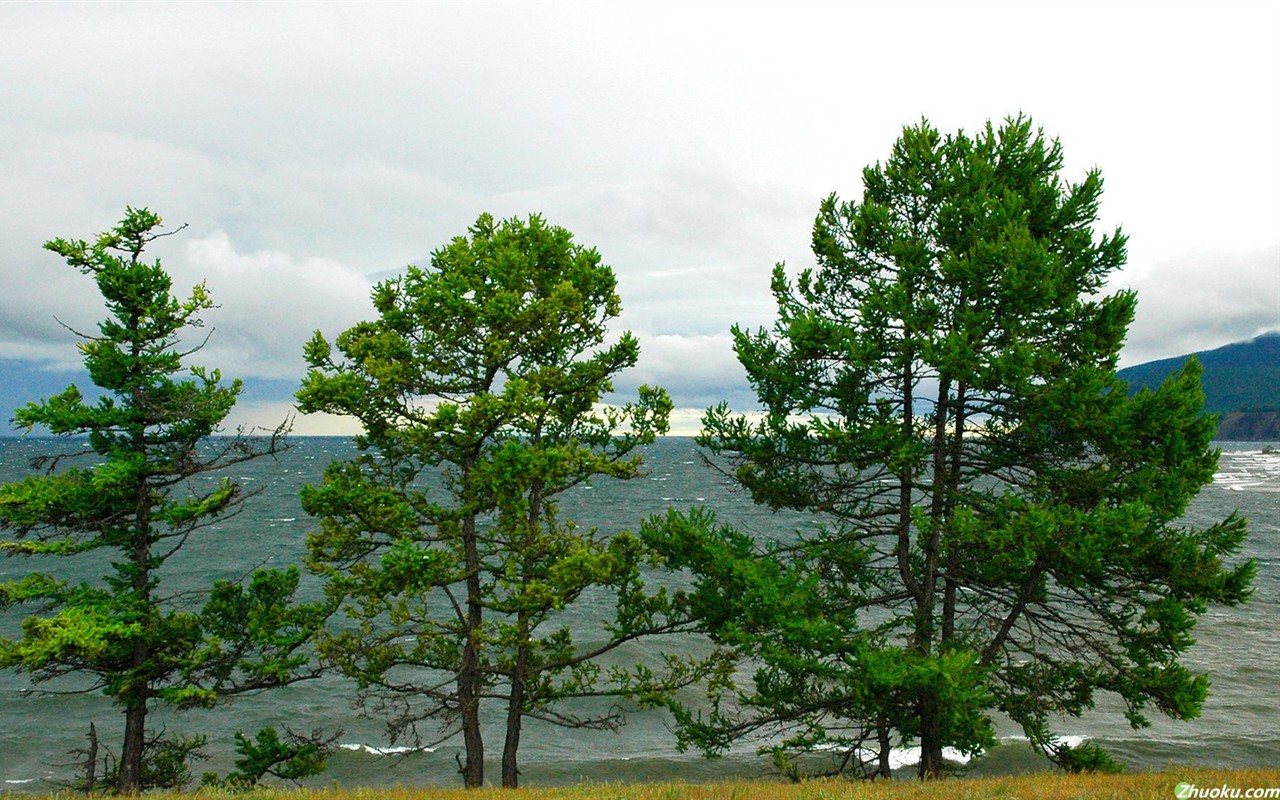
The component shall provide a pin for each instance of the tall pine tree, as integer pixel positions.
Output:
(1002, 522)
(149, 434)
(479, 389)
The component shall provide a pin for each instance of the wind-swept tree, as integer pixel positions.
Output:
(150, 489)
(479, 389)
(1002, 522)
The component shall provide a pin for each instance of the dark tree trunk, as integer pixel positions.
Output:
(931, 764)
(469, 678)
(91, 762)
(137, 695)
(515, 718)
(135, 740)
(520, 673)
(469, 702)
(885, 768)
(956, 449)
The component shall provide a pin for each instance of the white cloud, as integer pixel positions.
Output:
(271, 303)
(313, 145)
(265, 416)
(1202, 300)
(697, 371)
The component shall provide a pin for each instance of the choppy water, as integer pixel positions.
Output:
(1239, 648)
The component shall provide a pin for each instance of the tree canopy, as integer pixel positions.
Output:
(479, 388)
(152, 487)
(1002, 522)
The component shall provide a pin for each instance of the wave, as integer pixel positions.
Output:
(900, 757)
(385, 751)
(1068, 741)
(1249, 470)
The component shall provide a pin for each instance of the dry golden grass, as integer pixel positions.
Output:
(1042, 786)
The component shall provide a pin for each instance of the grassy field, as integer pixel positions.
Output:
(1043, 786)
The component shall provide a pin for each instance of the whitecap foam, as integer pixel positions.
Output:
(1249, 470)
(385, 751)
(899, 757)
(1070, 740)
(910, 756)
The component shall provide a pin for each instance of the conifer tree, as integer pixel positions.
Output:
(479, 389)
(150, 490)
(1002, 522)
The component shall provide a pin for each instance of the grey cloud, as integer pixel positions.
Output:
(692, 244)
(271, 304)
(280, 228)
(1203, 300)
(698, 371)
(320, 146)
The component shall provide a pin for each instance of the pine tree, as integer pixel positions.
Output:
(150, 434)
(1002, 523)
(479, 390)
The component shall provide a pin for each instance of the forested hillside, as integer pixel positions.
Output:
(1241, 383)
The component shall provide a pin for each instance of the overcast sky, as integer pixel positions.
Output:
(316, 148)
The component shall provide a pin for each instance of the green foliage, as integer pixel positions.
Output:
(292, 758)
(1087, 757)
(1001, 521)
(167, 761)
(479, 388)
(166, 764)
(149, 437)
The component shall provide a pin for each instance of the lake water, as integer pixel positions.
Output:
(1239, 648)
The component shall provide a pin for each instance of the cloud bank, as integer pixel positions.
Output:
(316, 148)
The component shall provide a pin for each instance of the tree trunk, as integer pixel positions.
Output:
(520, 673)
(922, 589)
(469, 678)
(885, 768)
(515, 718)
(91, 762)
(939, 511)
(469, 703)
(931, 764)
(905, 500)
(129, 781)
(136, 696)
(956, 448)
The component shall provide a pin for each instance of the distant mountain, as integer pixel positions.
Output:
(1241, 383)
